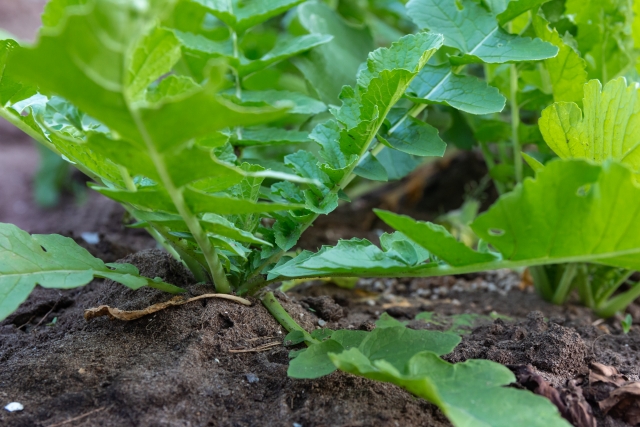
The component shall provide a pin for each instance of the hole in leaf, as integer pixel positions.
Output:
(43, 248)
(495, 232)
(584, 190)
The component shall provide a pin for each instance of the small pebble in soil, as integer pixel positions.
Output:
(14, 407)
(321, 322)
(297, 425)
(252, 378)
(90, 238)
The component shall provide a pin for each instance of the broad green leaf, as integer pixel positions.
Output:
(211, 223)
(286, 48)
(305, 165)
(408, 250)
(153, 57)
(101, 33)
(415, 137)
(603, 36)
(62, 128)
(397, 343)
(244, 14)
(314, 362)
(381, 84)
(470, 394)
(302, 104)
(573, 210)
(435, 239)
(606, 128)
(53, 261)
(439, 85)
(475, 32)
(516, 8)
(567, 71)
(370, 168)
(268, 136)
(348, 48)
(397, 164)
(201, 162)
(198, 201)
(355, 257)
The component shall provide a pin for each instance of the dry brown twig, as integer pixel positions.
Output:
(115, 313)
(70, 420)
(258, 349)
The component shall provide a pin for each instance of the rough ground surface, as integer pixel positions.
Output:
(175, 367)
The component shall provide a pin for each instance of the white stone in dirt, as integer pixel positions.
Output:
(91, 238)
(321, 322)
(14, 407)
(252, 378)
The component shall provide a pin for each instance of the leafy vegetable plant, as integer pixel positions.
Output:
(470, 393)
(226, 132)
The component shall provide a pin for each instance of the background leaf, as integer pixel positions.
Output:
(475, 32)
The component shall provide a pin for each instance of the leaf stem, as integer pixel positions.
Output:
(276, 309)
(607, 294)
(209, 251)
(619, 302)
(488, 159)
(564, 285)
(582, 283)
(541, 281)
(236, 73)
(515, 124)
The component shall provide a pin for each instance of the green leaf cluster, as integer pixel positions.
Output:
(572, 211)
(472, 393)
(134, 95)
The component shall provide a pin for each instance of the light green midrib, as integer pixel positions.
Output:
(424, 270)
(97, 273)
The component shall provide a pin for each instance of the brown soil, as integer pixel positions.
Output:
(175, 367)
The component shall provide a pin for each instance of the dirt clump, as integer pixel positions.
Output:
(549, 347)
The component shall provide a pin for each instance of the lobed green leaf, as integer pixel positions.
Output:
(54, 261)
(475, 32)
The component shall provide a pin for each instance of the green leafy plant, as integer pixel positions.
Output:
(470, 393)
(226, 132)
